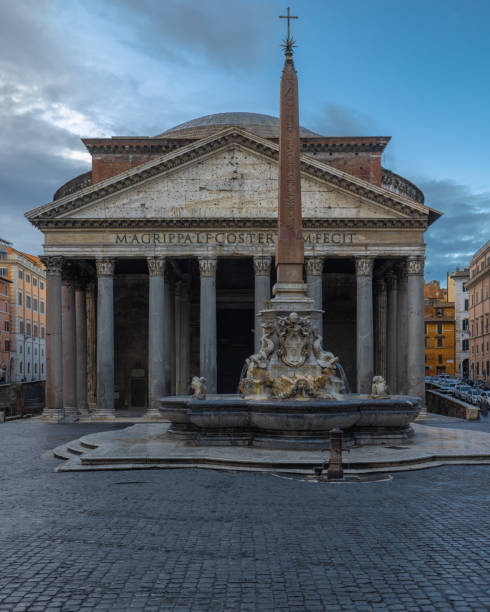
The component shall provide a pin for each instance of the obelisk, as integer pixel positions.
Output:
(290, 245)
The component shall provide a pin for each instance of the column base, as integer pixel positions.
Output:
(52, 415)
(153, 414)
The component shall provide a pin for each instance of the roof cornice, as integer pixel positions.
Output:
(206, 146)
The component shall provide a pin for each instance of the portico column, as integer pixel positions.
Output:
(207, 332)
(182, 331)
(169, 307)
(91, 346)
(262, 269)
(69, 346)
(105, 337)
(53, 410)
(416, 358)
(314, 279)
(365, 333)
(380, 368)
(81, 347)
(156, 334)
(402, 327)
(391, 354)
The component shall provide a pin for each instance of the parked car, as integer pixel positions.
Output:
(466, 395)
(475, 396)
(445, 389)
(461, 390)
(428, 379)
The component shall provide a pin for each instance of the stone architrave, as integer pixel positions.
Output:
(402, 328)
(365, 327)
(392, 320)
(416, 352)
(53, 410)
(381, 305)
(81, 346)
(90, 297)
(208, 340)
(314, 281)
(68, 327)
(262, 269)
(105, 337)
(156, 334)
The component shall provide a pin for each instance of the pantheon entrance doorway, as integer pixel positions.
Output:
(235, 344)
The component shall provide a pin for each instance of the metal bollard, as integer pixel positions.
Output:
(335, 470)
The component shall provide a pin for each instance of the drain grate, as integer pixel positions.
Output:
(130, 482)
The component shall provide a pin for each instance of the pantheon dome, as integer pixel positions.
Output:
(265, 126)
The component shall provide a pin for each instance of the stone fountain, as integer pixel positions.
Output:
(291, 395)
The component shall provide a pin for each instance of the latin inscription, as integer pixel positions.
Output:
(225, 238)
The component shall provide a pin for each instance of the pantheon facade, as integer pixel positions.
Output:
(159, 259)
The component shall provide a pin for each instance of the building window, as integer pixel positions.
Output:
(21, 327)
(439, 342)
(42, 369)
(34, 304)
(28, 367)
(42, 307)
(35, 368)
(439, 358)
(477, 368)
(20, 367)
(439, 328)
(20, 298)
(28, 301)
(6, 306)
(34, 281)
(42, 332)
(465, 324)
(439, 312)
(466, 345)
(466, 304)
(6, 326)
(28, 278)
(7, 346)
(35, 330)
(6, 290)
(41, 284)
(28, 328)
(4, 272)
(21, 274)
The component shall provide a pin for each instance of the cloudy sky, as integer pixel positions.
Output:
(416, 71)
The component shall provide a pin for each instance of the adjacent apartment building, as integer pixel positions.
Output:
(440, 337)
(5, 365)
(478, 287)
(27, 305)
(457, 292)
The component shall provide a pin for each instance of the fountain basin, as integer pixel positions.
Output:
(233, 420)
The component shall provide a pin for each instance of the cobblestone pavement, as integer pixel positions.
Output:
(198, 540)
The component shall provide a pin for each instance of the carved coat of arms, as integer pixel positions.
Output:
(293, 333)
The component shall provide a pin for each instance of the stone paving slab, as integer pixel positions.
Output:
(188, 540)
(144, 446)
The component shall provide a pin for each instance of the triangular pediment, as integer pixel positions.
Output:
(234, 175)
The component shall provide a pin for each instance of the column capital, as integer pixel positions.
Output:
(207, 266)
(53, 264)
(415, 265)
(314, 265)
(391, 280)
(156, 266)
(364, 266)
(105, 266)
(262, 264)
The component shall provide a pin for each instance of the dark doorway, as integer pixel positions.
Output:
(235, 344)
(137, 392)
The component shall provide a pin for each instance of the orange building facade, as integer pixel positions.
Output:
(27, 306)
(4, 315)
(440, 331)
(478, 287)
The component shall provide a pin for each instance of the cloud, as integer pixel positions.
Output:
(339, 120)
(460, 232)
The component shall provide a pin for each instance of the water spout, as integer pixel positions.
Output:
(343, 377)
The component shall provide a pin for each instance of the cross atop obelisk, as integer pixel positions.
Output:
(290, 246)
(288, 17)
